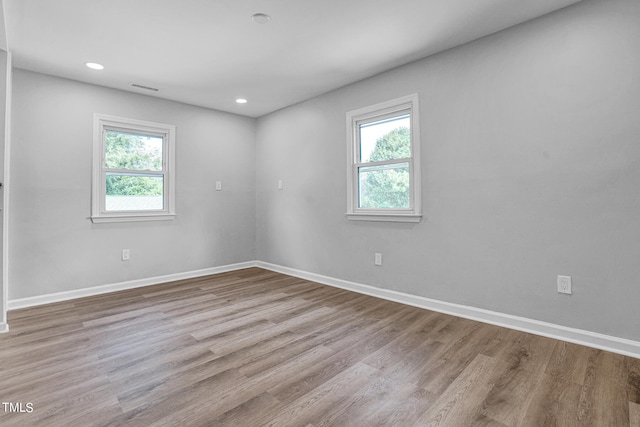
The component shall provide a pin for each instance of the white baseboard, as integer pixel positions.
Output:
(551, 330)
(578, 336)
(131, 284)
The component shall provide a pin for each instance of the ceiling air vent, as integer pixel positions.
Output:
(153, 89)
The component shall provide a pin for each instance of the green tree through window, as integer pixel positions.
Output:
(133, 152)
(388, 186)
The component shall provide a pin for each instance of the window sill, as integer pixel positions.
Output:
(384, 217)
(132, 218)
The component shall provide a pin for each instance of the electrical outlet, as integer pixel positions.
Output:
(564, 285)
(280, 184)
(218, 185)
(377, 259)
(126, 254)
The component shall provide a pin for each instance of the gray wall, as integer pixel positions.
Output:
(531, 168)
(54, 247)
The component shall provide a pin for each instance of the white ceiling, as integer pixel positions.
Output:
(209, 52)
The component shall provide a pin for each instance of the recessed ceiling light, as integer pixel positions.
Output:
(260, 18)
(241, 101)
(94, 65)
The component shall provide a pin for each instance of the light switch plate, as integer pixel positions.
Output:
(378, 258)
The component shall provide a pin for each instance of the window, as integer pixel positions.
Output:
(133, 170)
(384, 162)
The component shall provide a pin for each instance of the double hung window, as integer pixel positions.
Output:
(384, 162)
(133, 170)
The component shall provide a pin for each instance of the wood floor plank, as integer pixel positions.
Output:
(633, 379)
(225, 310)
(137, 393)
(239, 343)
(605, 381)
(50, 410)
(526, 362)
(396, 351)
(461, 403)
(302, 382)
(326, 400)
(438, 376)
(254, 347)
(249, 413)
(181, 406)
(634, 414)
(411, 367)
(403, 407)
(553, 402)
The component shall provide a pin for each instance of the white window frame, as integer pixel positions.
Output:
(102, 123)
(373, 113)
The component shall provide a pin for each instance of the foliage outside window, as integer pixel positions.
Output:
(133, 170)
(384, 172)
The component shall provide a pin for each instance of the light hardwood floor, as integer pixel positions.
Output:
(253, 348)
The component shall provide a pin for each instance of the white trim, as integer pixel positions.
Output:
(577, 336)
(168, 133)
(410, 104)
(4, 328)
(563, 333)
(361, 216)
(132, 218)
(113, 287)
(5, 194)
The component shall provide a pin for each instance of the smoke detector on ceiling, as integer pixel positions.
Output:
(260, 18)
